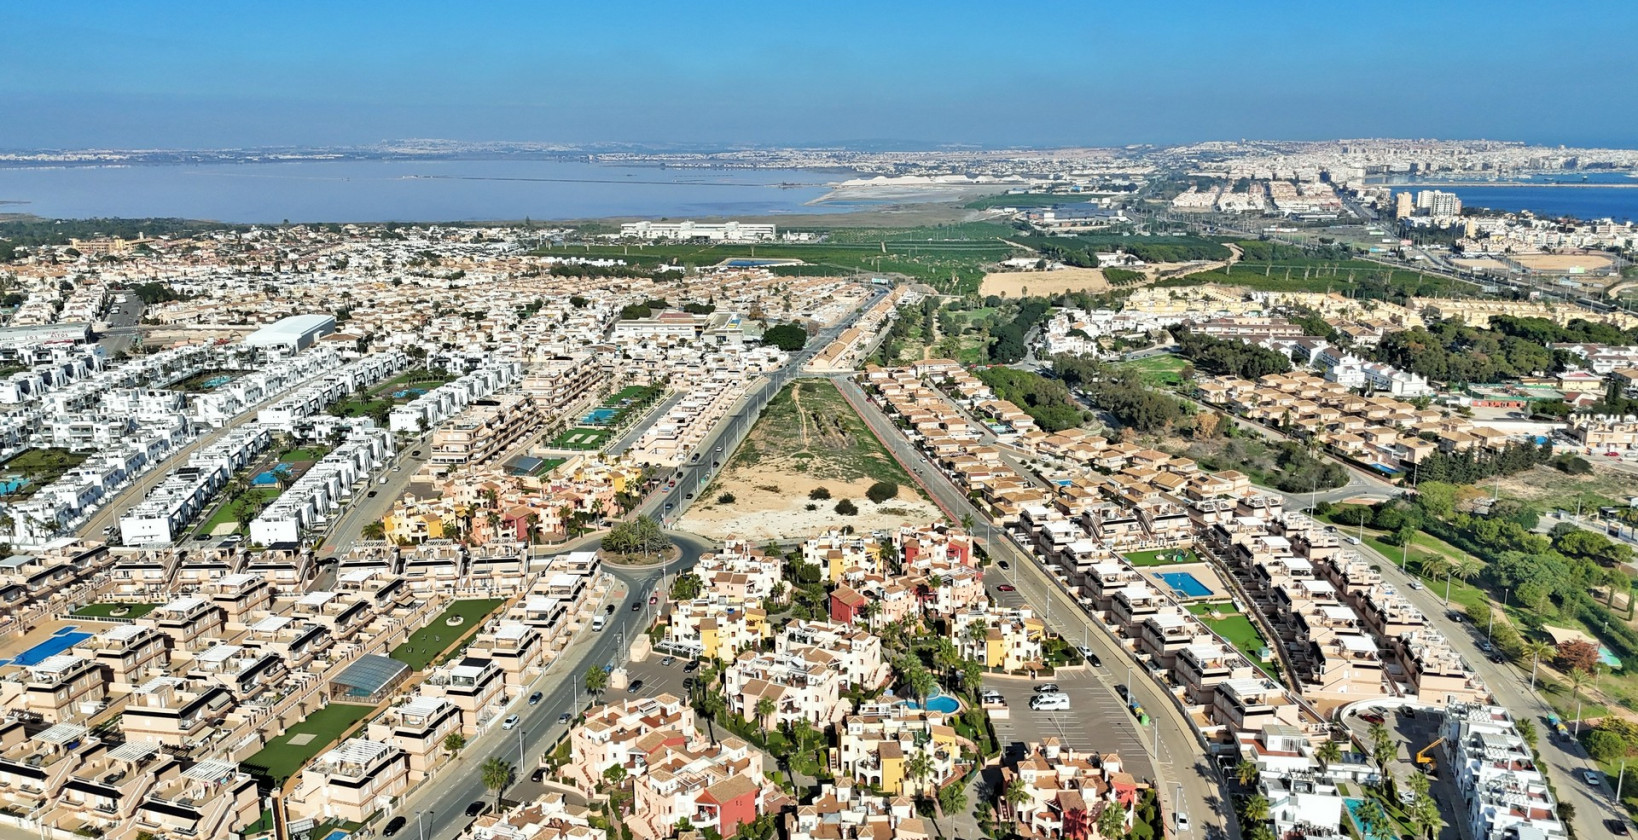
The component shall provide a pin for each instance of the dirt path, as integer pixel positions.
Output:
(801, 414)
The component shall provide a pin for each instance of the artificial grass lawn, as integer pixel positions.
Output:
(106, 610)
(1237, 629)
(1161, 557)
(589, 438)
(427, 644)
(305, 453)
(280, 759)
(227, 512)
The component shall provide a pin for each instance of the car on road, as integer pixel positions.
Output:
(1047, 688)
(477, 808)
(668, 662)
(1617, 827)
(392, 826)
(654, 599)
(1003, 564)
(565, 717)
(1006, 587)
(1090, 657)
(692, 666)
(689, 495)
(1182, 821)
(370, 494)
(1486, 646)
(535, 698)
(510, 723)
(1498, 658)
(636, 686)
(669, 505)
(1415, 584)
(1592, 777)
(415, 454)
(636, 605)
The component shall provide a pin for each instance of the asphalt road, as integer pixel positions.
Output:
(1511, 686)
(124, 326)
(367, 509)
(459, 784)
(1180, 759)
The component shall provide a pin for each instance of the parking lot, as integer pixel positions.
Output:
(657, 679)
(1096, 720)
(1413, 732)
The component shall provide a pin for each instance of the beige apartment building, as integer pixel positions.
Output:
(173, 711)
(484, 429)
(351, 781)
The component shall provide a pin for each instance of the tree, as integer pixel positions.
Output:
(1605, 745)
(454, 742)
(1255, 808)
(787, 337)
(496, 774)
(1245, 773)
(967, 522)
(764, 710)
(1577, 655)
(819, 494)
(1383, 748)
(919, 768)
(846, 507)
(1371, 816)
(686, 587)
(1328, 753)
(596, 679)
(1424, 814)
(922, 684)
(881, 491)
(1017, 795)
(1111, 821)
(615, 775)
(1536, 649)
(639, 536)
(1418, 784)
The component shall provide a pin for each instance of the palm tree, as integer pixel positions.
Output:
(952, 799)
(1245, 773)
(1383, 748)
(1370, 816)
(1536, 649)
(1466, 567)
(496, 774)
(1255, 808)
(868, 611)
(1328, 753)
(597, 679)
(1016, 796)
(764, 710)
(967, 522)
(1424, 813)
(918, 769)
(1112, 821)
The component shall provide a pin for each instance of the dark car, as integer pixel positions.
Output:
(392, 826)
(477, 808)
(636, 605)
(1498, 658)
(535, 698)
(1003, 564)
(564, 718)
(692, 666)
(1617, 827)
(636, 686)
(540, 773)
(370, 494)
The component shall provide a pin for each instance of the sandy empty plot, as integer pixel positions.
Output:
(1563, 262)
(1482, 263)
(1011, 284)
(759, 513)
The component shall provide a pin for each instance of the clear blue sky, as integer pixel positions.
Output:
(178, 74)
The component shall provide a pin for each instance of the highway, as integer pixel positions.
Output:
(1180, 759)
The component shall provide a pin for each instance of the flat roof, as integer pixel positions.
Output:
(369, 674)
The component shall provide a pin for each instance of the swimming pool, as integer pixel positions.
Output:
(216, 381)
(1185, 584)
(941, 703)
(271, 477)
(600, 416)
(1353, 811)
(62, 640)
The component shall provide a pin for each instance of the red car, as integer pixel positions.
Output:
(1006, 587)
(1371, 717)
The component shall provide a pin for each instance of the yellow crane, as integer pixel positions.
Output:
(1425, 760)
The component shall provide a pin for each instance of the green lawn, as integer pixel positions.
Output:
(106, 610)
(228, 513)
(280, 759)
(1161, 557)
(40, 467)
(427, 644)
(1161, 371)
(305, 453)
(588, 438)
(1237, 629)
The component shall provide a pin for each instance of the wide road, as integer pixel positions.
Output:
(1176, 752)
(458, 784)
(1511, 685)
(123, 327)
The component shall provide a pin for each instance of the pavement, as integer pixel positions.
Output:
(1180, 762)
(124, 327)
(371, 508)
(1097, 719)
(444, 801)
(1511, 687)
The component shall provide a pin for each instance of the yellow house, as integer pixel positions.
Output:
(892, 758)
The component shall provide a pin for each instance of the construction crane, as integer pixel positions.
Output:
(1425, 761)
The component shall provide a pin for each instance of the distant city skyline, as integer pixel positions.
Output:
(196, 75)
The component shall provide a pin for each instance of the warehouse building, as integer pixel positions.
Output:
(294, 334)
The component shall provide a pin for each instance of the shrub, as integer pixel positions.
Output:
(846, 507)
(811, 506)
(819, 494)
(881, 491)
(725, 499)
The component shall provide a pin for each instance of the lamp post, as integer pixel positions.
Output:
(1492, 622)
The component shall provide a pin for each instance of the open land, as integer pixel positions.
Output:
(808, 438)
(1563, 262)
(1011, 284)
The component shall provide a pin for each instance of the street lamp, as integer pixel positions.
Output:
(1492, 622)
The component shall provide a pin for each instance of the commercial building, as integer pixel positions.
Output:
(690, 230)
(292, 334)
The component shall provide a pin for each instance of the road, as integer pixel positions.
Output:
(1511, 686)
(1181, 758)
(123, 327)
(371, 508)
(459, 783)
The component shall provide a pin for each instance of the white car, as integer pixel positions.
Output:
(511, 721)
(1415, 584)
(1182, 821)
(1053, 702)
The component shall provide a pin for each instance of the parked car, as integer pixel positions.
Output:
(692, 666)
(540, 773)
(1091, 658)
(535, 698)
(1372, 717)
(392, 826)
(511, 722)
(1486, 646)
(654, 599)
(668, 662)
(1057, 702)
(477, 808)
(636, 686)
(1047, 688)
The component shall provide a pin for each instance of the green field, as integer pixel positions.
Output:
(990, 202)
(1237, 629)
(1161, 557)
(280, 759)
(39, 467)
(228, 512)
(1297, 275)
(1161, 371)
(106, 610)
(933, 255)
(824, 439)
(426, 645)
(304, 453)
(580, 437)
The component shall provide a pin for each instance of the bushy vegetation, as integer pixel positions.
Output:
(1452, 352)
(1121, 393)
(1082, 250)
(787, 337)
(1048, 401)
(846, 507)
(639, 536)
(881, 491)
(1467, 467)
(1228, 356)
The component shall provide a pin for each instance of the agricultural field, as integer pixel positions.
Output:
(1163, 371)
(809, 442)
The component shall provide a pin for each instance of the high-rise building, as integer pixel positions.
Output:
(1403, 206)
(1439, 203)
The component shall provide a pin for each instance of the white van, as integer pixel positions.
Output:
(597, 623)
(1055, 701)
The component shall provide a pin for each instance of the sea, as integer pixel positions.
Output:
(1544, 199)
(403, 190)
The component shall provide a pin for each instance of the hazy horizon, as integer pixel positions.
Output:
(209, 76)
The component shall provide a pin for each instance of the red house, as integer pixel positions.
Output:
(728, 804)
(845, 604)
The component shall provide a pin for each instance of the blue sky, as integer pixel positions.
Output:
(80, 74)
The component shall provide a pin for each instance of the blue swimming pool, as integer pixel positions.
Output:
(271, 477)
(64, 639)
(9, 486)
(1353, 811)
(1185, 584)
(216, 381)
(600, 416)
(941, 703)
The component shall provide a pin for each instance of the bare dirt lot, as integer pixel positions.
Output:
(809, 438)
(1011, 284)
(1563, 262)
